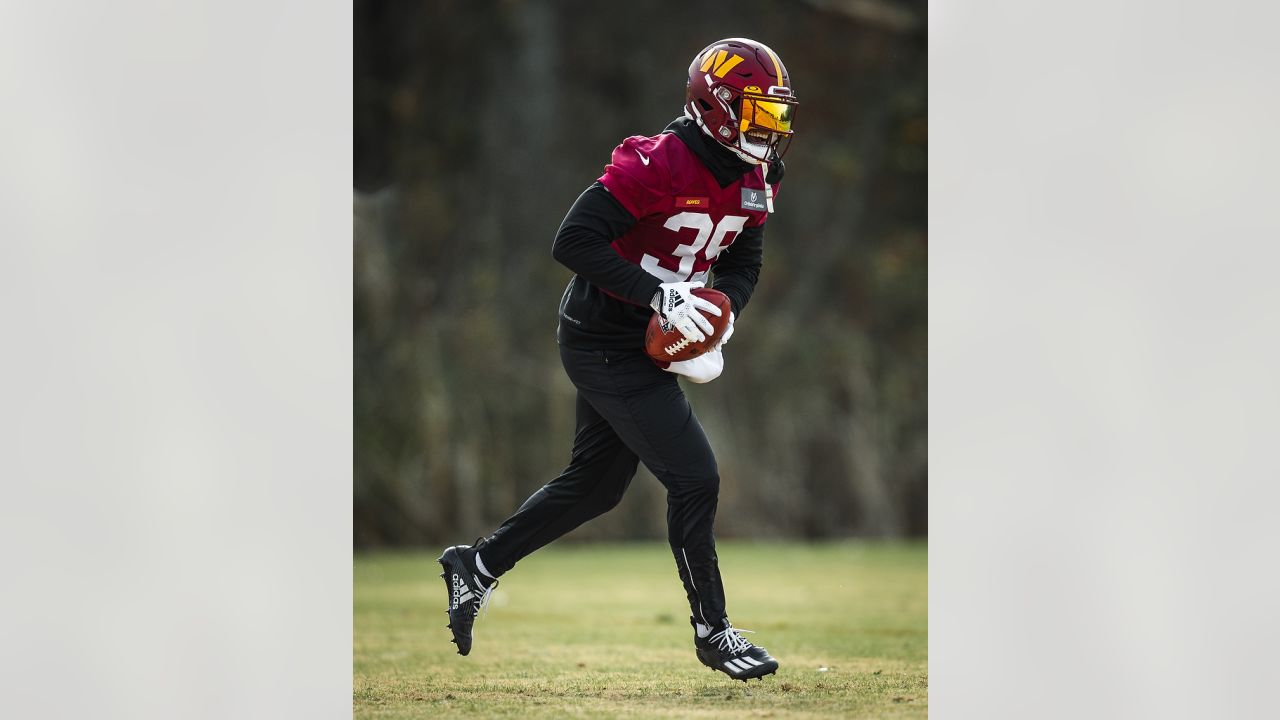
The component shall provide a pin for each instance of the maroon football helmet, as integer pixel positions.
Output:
(740, 94)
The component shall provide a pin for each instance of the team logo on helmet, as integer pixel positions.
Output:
(718, 63)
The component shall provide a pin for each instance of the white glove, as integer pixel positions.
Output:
(702, 369)
(677, 304)
(728, 332)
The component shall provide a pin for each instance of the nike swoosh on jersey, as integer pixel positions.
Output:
(643, 159)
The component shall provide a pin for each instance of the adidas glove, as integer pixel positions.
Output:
(728, 332)
(677, 304)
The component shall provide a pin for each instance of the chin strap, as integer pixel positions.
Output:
(765, 166)
(768, 189)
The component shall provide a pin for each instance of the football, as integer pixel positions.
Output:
(666, 344)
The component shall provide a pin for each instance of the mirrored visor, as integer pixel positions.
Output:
(766, 114)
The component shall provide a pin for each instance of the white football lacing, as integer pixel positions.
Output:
(674, 348)
(730, 641)
(482, 603)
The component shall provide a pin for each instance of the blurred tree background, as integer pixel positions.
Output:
(478, 123)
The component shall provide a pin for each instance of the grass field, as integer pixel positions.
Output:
(602, 631)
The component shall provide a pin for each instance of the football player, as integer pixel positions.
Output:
(669, 211)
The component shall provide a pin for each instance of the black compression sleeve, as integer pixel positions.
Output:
(738, 267)
(582, 245)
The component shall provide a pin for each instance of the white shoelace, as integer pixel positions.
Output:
(730, 641)
(484, 598)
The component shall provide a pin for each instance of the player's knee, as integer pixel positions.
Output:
(610, 498)
(692, 483)
(694, 491)
(613, 497)
(709, 484)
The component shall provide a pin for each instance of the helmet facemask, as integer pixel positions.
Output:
(759, 128)
(764, 124)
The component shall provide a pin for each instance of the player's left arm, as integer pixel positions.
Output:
(738, 267)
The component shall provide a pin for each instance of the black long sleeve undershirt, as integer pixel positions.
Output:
(737, 268)
(583, 242)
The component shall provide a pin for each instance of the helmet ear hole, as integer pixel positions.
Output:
(706, 106)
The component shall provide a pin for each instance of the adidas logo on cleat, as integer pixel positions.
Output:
(461, 593)
(738, 665)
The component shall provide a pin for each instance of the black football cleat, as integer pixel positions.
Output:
(730, 653)
(468, 592)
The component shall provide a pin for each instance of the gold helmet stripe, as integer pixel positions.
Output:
(777, 66)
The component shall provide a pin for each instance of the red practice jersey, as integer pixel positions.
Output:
(684, 218)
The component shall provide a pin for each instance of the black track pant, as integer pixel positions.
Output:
(629, 410)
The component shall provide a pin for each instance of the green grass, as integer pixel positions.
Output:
(602, 631)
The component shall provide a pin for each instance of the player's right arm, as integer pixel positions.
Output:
(635, 183)
(738, 268)
(583, 244)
